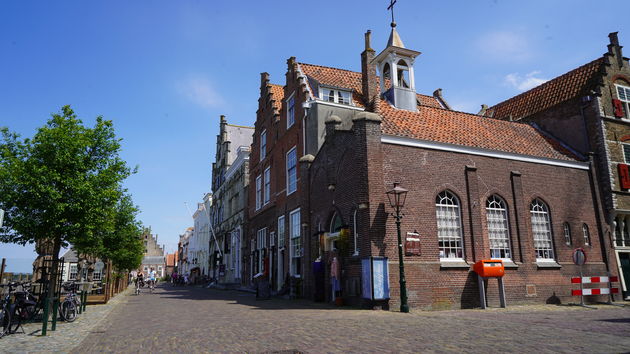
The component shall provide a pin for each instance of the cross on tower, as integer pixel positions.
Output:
(391, 7)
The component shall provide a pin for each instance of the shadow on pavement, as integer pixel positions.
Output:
(238, 297)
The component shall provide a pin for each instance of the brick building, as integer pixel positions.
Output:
(588, 109)
(329, 144)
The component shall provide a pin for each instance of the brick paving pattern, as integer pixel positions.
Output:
(66, 337)
(191, 320)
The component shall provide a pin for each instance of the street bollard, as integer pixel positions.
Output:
(45, 316)
(80, 299)
(55, 307)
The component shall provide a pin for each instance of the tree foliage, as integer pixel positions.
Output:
(123, 244)
(65, 185)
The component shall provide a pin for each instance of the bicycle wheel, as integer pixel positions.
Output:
(68, 310)
(5, 320)
(15, 319)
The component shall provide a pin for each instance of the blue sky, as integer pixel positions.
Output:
(164, 71)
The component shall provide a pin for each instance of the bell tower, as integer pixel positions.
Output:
(395, 65)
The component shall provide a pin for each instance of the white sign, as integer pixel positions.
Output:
(99, 265)
(1, 217)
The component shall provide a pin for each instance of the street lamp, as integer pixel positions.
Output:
(397, 196)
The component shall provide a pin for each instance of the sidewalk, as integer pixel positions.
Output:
(66, 337)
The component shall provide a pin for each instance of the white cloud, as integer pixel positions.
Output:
(200, 91)
(524, 83)
(504, 46)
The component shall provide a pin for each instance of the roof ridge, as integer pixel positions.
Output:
(547, 83)
(330, 67)
(240, 126)
(277, 85)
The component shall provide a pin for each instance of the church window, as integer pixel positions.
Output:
(449, 226)
(290, 111)
(541, 229)
(567, 233)
(498, 230)
(587, 235)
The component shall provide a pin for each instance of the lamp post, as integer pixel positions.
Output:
(397, 196)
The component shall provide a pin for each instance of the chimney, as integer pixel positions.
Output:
(438, 95)
(368, 76)
(615, 49)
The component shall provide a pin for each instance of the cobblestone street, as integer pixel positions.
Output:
(177, 319)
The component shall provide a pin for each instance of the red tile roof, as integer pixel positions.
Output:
(351, 80)
(572, 84)
(278, 95)
(459, 128)
(434, 123)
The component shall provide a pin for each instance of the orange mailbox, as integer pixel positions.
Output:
(489, 268)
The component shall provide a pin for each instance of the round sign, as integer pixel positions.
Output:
(579, 256)
(99, 265)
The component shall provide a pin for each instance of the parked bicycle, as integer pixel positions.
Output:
(69, 307)
(25, 305)
(5, 310)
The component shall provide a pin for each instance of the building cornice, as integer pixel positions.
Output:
(397, 140)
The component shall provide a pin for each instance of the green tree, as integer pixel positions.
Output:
(63, 185)
(123, 245)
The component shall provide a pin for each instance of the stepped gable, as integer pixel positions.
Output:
(351, 80)
(564, 87)
(459, 128)
(277, 95)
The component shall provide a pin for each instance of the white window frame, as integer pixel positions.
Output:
(449, 226)
(291, 187)
(587, 235)
(626, 154)
(73, 269)
(281, 231)
(541, 230)
(335, 95)
(261, 244)
(97, 275)
(498, 228)
(566, 228)
(258, 192)
(290, 111)
(623, 93)
(267, 188)
(295, 235)
(263, 144)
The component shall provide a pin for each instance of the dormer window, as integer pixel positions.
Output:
(335, 96)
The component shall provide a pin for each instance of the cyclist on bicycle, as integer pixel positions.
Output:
(152, 275)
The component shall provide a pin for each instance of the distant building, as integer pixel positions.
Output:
(183, 265)
(171, 263)
(230, 178)
(153, 254)
(199, 243)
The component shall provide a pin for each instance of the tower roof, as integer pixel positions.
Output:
(394, 39)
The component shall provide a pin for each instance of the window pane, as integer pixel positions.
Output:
(541, 229)
(291, 171)
(291, 111)
(498, 231)
(448, 226)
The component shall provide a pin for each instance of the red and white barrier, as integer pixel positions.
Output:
(609, 290)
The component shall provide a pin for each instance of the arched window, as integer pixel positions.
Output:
(403, 74)
(587, 235)
(567, 233)
(498, 230)
(541, 229)
(449, 225)
(335, 224)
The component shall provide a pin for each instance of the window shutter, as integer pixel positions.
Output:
(618, 108)
(624, 176)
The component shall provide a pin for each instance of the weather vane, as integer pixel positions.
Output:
(391, 7)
